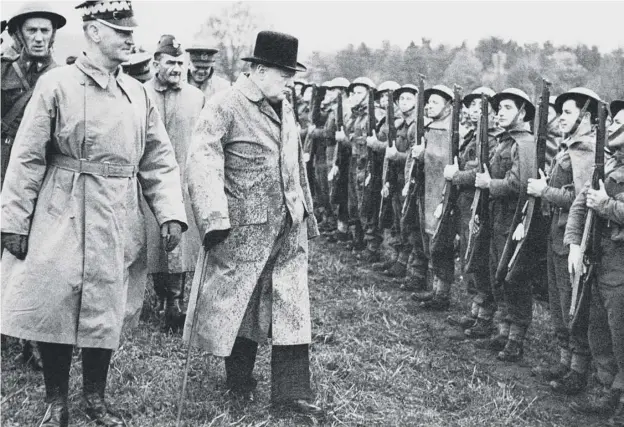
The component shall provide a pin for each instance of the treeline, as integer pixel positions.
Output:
(493, 62)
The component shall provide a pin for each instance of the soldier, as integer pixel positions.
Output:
(139, 66)
(554, 135)
(514, 112)
(34, 26)
(201, 73)
(179, 105)
(395, 156)
(570, 170)
(463, 175)
(377, 144)
(251, 198)
(432, 155)
(90, 142)
(354, 135)
(338, 157)
(607, 297)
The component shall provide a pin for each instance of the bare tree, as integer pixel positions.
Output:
(233, 32)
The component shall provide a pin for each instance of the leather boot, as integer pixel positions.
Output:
(464, 322)
(571, 384)
(160, 289)
(605, 404)
(97, 410)
(512, 352)
(499, 341)
(369, 256)
(437, 303)
(56, 415)
(174, 313)
(383, 265)
(398, 270)
(482, 328)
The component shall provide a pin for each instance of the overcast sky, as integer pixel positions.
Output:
(330, 25)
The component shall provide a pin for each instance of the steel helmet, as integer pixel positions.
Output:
(483, 90)
(36, 9)
(326, 84)
(518, 95)
(552, 100)
(616, 106)
(386, 86)
(443, 91)
(362, 81)
(339, 82)
(582, 94)
(405, 88)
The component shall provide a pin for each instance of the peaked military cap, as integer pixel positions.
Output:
(202, 55)
(115, 14)
(169, 45)
(139, 66)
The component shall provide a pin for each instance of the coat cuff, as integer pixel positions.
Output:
(464, 178)
(496, 187)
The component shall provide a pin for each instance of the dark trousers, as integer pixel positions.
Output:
(57, 363)
(290, 370)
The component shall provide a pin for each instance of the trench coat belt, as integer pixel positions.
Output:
(82, 166)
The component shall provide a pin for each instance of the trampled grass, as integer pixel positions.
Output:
(376, 360)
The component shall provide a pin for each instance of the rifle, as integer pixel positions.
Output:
(339, 126)
(478, 248)
(590, 242)
(386, 164)
(415, 175)
(444, 234)
(533, 243)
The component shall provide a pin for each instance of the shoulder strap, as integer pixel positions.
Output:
(15, 111)
(21, 76)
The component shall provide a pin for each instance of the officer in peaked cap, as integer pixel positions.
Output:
(32, 28)
(83, 245)
(254, 218)
(139, 66)
(201, 73)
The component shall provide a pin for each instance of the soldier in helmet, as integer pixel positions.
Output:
(463, 174)
(201, 72)
(34, 26)
(571, 168)
(606, 331)
(179, 105)
(338, 157)
(553, 141)
(438, 108)
(354, 135)
(396, 156)
(510, 162)
(377, 143)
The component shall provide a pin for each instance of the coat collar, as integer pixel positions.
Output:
(159, 86)
(25, 61)
(252, 92)
(97, 74)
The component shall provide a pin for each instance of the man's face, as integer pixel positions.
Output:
(508, 114)
(474, 110)
(383, 100)
(37, 33)
(200, 73)
(116, 45)
(330, 95)
(358, 94)
(169, 69)
(275, 82)
(435, 106)
(552, 113)
(569, 115)
(618, 122)
(407, 101)
(307, 94)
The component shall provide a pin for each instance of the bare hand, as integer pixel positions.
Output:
(518, 233)
(392, 153)
(372, 141)
(451, 170)
(405, 189)
(385, 191)
(596, 198)
(575, 262)
(536, 186)
(332, 173)
(483, 179)
(417, 150)
(340, 136)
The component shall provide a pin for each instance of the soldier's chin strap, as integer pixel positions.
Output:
(22, 41)
(446, 108)
(579, 119)
(522, 108)
(615, 135)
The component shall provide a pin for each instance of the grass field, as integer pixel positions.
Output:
(376, 361)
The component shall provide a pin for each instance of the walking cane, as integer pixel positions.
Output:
(190, 343)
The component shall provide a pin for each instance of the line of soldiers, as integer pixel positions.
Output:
(377, 174)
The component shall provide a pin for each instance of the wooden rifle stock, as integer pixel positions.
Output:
(590, 242)
(386, 163)
(477, 254)
(415, 174)
(444, 235)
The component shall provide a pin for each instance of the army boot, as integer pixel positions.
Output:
(441, 300)
(497, 342)
(605, 404)
(397, 270)
(514, 347)
(369, 256)
(174, 313)
(571, 384)
(466, 321)
(382, 266)
(56, 414)
(558, 371)
(482, 328)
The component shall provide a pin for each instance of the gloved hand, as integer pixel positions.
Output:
(17, 244)
(213, 238)
(170, 234)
